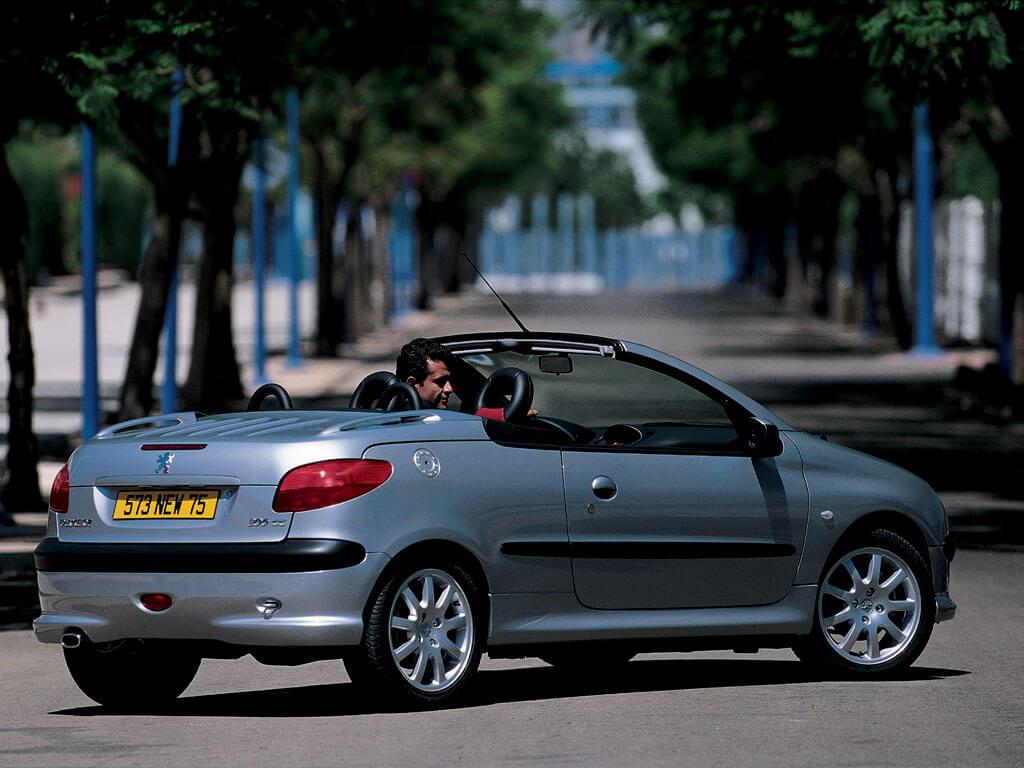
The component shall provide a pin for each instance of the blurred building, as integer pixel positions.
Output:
(605, 112)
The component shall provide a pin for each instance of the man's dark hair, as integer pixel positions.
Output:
(412, 360)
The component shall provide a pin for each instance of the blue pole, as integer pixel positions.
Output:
(924, 191)
(259, 258)
(294, 357)
(90, 376)
(169, 391)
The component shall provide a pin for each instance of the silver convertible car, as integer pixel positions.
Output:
(582, 499)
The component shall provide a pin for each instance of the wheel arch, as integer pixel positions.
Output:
(891, 520)
(433, 550)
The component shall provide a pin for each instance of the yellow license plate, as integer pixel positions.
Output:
(166, 505)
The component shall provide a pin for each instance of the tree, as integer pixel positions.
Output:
(753, 100)
(465, 112)
(236, 57)
(785, 107)
(968, 54)
(488, 126)
(29, 94)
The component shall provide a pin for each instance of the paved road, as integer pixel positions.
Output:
(962, 704)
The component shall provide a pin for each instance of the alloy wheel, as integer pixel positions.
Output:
(870, 606)
(431, 635)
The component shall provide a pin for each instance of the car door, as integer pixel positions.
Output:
(676, 529)
(667, 507)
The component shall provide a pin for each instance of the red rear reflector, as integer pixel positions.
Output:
(325, 483)
(156, 602)
(60, 491)
(173, 446)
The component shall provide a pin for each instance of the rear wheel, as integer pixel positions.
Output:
(875, 608)
(423, 638)
(131, 674)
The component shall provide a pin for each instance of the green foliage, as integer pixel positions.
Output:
(36, 169)
(46, 166)
(973, 173)
(925, 48)
(605, 175)
(485, 121)
(466, 109)
(122, 203)
(747, 99)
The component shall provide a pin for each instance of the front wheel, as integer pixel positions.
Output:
(423, 637)
(875, 608)
(131, 674)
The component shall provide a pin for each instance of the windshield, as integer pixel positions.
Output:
(600, 391)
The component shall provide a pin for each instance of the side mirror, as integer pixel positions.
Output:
(763, 438)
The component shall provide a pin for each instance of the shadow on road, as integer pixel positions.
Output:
(514, 685)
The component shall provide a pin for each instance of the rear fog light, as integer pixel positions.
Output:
(156, 602)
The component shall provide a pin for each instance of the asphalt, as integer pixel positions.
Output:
(820, 376)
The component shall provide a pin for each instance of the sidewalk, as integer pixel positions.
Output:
(56, 330)
(818, 376)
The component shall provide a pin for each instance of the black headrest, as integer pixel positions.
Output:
(371, 388)
(509, 388)
(400, 396)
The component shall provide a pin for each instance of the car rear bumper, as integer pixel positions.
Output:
(315, 607)
(289, 555)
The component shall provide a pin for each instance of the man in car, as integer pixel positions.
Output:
(425, 365)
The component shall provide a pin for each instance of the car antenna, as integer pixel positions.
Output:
(506, 306)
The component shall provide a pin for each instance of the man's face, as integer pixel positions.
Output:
(436, 388)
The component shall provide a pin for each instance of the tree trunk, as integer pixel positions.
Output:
(351, 310)
(325, 208)
(426, 224)
(1011, 259)
(762, 221)
(818, 229)
(158, 265)
(214, 380)
(380, 279)
(171, 190)
(22, 490)
(868, 227)
(888, 254)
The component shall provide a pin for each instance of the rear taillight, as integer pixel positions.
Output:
(60, 491)
(324, 483)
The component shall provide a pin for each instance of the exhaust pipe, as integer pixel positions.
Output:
(71, 640)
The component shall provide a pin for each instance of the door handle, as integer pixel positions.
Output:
(604, 487)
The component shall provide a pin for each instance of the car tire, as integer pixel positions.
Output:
(131, 674)
(874, 611)
(424, 636)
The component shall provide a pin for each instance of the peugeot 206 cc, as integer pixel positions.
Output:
(583, 499)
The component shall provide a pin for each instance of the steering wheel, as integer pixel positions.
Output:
(269, 390)
(512, 383)
(400, 396)
(555, 425)
(371, 388)
(560, 426)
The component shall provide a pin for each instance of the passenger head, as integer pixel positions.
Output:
(425, 365)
